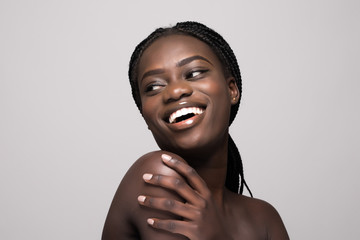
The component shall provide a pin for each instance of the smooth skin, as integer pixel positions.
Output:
(165, 196)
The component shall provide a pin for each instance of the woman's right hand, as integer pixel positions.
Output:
(202, 218)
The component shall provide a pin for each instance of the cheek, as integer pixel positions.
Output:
(221, 102)
(149, 111)
(216, 90)
(146, 109)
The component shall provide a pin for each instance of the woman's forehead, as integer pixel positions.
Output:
(175, 48)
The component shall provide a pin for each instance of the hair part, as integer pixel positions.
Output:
(230, 67)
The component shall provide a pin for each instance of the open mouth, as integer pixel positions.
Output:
(184, 114)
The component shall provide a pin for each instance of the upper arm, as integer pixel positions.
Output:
(126, 218)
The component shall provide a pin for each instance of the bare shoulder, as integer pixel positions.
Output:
(264, 217)
(126, 218)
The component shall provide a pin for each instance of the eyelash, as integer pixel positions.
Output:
(200, 71)
(156, 86)
(151, 87)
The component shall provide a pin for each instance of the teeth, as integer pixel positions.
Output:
(184, 111)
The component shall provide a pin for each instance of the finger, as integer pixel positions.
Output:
(188, 172)
(169, 205)
(176, 184)
(174, 226)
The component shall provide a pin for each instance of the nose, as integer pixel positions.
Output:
(177, 90)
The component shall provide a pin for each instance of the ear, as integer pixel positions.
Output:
(234, 92)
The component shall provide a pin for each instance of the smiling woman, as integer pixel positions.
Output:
(187, 85)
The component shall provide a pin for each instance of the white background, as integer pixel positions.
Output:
(69, 128)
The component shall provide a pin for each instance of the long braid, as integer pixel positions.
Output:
(235, 168)
(232, 176)
(231, 68)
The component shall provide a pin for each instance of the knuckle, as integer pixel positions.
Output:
(175, 161)
(178, 183)
(150, 201)
(207, 194)
(184, 207)
(169, 203)
(197, 214)
(171, 226)
(157, 178)
(190, 171)
(195, 228)
(203, 204)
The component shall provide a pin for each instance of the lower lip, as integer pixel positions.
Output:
(188, 123)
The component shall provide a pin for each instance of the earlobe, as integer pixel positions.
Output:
(233, 90)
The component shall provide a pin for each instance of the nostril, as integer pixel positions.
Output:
(177, 98)
(175, 92)
(186, 94)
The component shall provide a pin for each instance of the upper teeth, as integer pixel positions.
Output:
(184, 111)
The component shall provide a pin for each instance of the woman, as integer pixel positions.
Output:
(186, 83)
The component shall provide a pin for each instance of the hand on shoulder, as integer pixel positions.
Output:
(127, 219)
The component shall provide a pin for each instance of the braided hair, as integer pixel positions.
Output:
(235, 181)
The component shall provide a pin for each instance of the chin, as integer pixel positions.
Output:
(183, 147)
(191, 144)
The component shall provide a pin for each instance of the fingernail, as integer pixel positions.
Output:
(150, 221)
(147, 176)
(141, 198)
(166, 157)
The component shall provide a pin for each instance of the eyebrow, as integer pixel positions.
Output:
(152, 72)
(179, 64)
(190, 59)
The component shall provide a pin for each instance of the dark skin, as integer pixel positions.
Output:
(180, 193)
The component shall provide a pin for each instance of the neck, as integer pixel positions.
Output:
(212, 167)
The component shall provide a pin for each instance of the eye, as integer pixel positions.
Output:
(195, 73)
(153, 87)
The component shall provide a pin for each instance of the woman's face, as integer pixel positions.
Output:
(186, 98)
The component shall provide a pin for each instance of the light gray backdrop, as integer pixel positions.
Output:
(69, 129)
